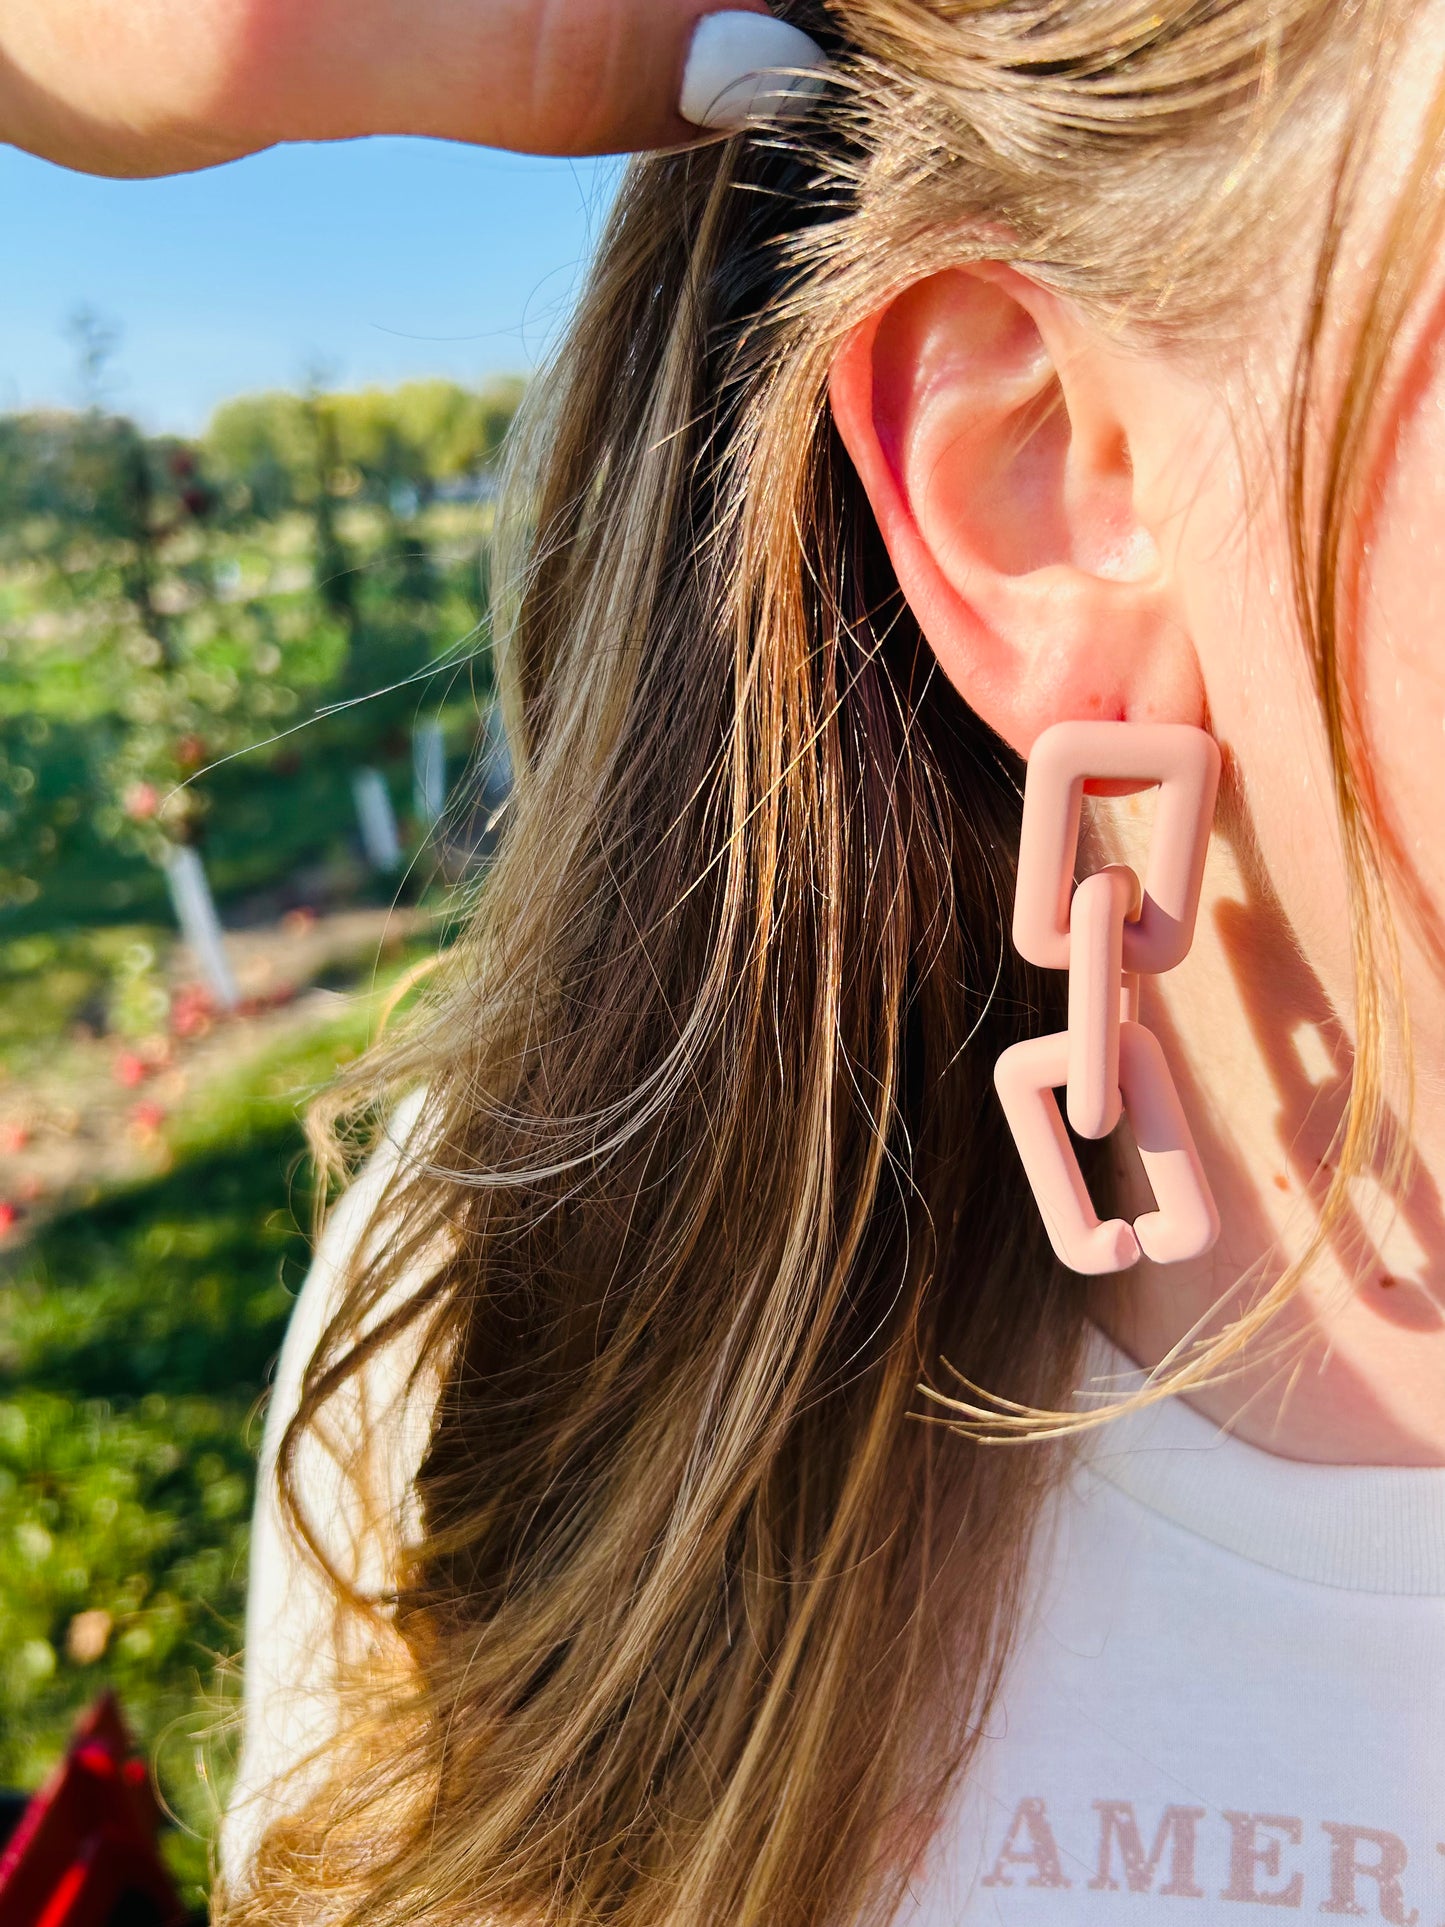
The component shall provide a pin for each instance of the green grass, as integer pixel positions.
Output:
(135, 1341)
(52, 980)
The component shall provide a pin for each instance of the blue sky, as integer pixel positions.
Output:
(374, 260)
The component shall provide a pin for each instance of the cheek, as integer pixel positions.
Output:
(1235, 582)
(1400, 633)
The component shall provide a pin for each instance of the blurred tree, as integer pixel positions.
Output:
(264, 450)
(260, 450)
(96, 340)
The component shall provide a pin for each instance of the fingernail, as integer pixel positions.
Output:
(743, 68)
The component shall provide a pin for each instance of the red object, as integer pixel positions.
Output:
(192, 1011)
(84, 1852)
(9, 1218)
(130, 1069)
(274, 999)
(141, 802)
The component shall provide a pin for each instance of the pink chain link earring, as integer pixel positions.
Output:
(1105, 933)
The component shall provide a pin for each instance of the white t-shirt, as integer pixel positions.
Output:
(1228, 1698)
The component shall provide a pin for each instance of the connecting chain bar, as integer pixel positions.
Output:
(1102, 905)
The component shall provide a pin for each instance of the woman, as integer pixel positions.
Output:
(1067, 361)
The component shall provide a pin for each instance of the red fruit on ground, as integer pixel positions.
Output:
(192, 1011)
(130, 1070)
(13, 1138)
(9, 1216)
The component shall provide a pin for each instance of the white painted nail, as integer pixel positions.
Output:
(747, 68)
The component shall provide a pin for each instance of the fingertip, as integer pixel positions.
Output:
(745, 68)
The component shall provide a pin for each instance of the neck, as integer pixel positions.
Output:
(1352, 1370)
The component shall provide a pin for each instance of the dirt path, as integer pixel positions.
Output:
(96, 1115)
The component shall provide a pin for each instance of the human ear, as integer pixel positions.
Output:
(991, 427)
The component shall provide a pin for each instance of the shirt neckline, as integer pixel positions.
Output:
(1368, 1529)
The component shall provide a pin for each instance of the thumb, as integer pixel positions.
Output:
(179, 84)
(564, 76)
(605, 76)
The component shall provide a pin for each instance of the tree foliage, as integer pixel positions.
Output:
(165, 606)
(276, 451)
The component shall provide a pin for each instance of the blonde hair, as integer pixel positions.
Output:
(699, 1627)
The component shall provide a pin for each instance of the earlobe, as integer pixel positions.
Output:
(988, 432)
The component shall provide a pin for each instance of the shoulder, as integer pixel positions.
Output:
(355, 1475)
(352, 1230)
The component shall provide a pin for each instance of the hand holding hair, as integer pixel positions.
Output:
(109, 87)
